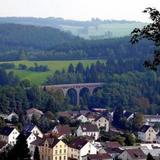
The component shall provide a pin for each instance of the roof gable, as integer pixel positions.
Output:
(89, 128)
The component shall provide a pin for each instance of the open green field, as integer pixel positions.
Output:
(40, 77)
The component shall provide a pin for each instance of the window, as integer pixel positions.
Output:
(60, 158)
(64, 150)
(55, 158)
(60, 151)
(64, 157)
(55, 151)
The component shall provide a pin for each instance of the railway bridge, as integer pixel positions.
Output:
(77, 87)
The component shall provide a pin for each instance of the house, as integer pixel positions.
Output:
(9, 135)
(31, 128)
(82, 118)
(3, 145)
(80, 147)
(90, 130)
(152, 148)
(34, 111)
(91, 116)
(61, 131)
(102, 122)
(11, 116)
(30, 137)
(50, 149)
(151, 119)
(98, 156)
(132, 154)
(147, 134)
(112, 144)
(128, 115)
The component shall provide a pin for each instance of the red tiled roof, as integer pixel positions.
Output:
(78, 143)
(89, 128)
(136, 153)
(2, 144)
(112, 144)
(40, 142)
(63, 130)
(99, 156)
(34, 111)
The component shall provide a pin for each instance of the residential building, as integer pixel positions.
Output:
(11, 116)
(102, 122)
(3, 145)
(151, 119)
(98, 156)
(31, 128)
(79, 148)
(90, 130)
(61, 131)
(147, 134)
(82, 118)
(128, 115)
(50, 149)
(132, 154)
(34, 111)
(30, 137)
(9, 135)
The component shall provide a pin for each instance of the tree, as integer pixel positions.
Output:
(118, 115)
(36, 154)
(71, 68)
(150, 157)
(138, 121)
(20, 151)
(150, 32)
(130, 139)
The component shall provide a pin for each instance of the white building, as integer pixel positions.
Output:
(9, 135)
(90, 130)
(82, 118)
(80, 148)
(102, 122)
(147, 134)
(31, 128)
(30, 137)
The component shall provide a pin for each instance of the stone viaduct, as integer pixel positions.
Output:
(77, 87)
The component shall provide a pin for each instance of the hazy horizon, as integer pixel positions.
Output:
(78, 9)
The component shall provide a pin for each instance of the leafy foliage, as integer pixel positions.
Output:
(150, 32)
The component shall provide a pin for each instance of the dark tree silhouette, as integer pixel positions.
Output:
(20, 151)
(150, 157)
(150, 32)
(36, 154)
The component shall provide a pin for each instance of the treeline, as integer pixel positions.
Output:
(18, 95)
(97, 72)
(35, 68)
(19, 42)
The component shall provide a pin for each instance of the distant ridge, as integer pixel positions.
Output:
(90, 29)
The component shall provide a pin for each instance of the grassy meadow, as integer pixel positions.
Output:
(40, 77)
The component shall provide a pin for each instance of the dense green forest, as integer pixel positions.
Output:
(20, 42)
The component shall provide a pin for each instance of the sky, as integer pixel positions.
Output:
(78, 9)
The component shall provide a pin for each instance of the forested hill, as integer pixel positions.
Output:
(91, 29)
(19, 42)
(15, 36)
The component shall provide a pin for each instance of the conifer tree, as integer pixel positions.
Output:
(36, 154)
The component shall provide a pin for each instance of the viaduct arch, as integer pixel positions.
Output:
(77, 87)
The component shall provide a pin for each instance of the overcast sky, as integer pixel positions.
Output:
(78, 9)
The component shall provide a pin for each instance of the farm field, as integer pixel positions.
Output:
(40, 77)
